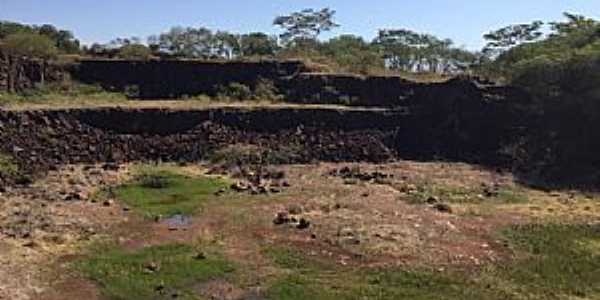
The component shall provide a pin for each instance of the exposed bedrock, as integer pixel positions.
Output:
(42, 139)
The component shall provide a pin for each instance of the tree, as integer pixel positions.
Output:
(63, 39)
(185, 42)
(20, 47)
(574, 23)
(352, 54)
(507, 37)
(135, 52)
(306, 24)
(225, 45)
(257, 44)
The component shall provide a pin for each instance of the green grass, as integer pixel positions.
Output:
(556, 261)
(308, 278)
(552, 262)
(126, 275)
(7, 166)
(175, 193)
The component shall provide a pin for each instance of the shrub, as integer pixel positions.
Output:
(234, 91)
(266, 90)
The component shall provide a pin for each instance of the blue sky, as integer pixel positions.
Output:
(464, 21)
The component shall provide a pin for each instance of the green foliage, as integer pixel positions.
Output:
(31, 45)
(63, 40)
(185, 42)
(169, 271)
(258, 44)
(352, 54)
(135, 51)
(306, 24)
(7, 167)
(410, 51)
(265, 90)
(512, 35)
(235, 91)
(162, 192)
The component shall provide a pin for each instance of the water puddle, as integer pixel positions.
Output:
(178, 222)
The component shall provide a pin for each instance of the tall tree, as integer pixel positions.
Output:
(507, 37)
(185, 42)
(258, 44)
(21, 47)
(306, 24)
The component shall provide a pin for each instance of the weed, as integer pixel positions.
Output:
(152, 273)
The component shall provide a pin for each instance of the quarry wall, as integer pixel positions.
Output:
(293, 79)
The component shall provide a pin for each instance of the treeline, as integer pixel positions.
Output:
(512, 53)
(393, 49)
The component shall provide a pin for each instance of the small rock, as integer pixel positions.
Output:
(30, 244)
(200, 256)
(295, 209)
(443, 207)
(107, 203)
(432, 200)
(151, 267)
(303, 224)
(239, 187)
(281, 218)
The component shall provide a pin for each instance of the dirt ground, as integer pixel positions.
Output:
(371, 220)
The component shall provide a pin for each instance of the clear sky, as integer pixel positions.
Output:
(464, 21)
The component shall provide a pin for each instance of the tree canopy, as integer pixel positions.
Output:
(305, 24)
(31, 45)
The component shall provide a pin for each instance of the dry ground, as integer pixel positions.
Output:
(396, 221)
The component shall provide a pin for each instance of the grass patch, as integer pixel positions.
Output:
(467, 195)
(553, 262)
(152, 273)
(557, 261)
(7, 166)
(163, 192)
(308, 278)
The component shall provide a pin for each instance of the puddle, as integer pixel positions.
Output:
(177, 222)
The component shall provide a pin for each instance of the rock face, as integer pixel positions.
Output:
(41, 140)
(294, 80)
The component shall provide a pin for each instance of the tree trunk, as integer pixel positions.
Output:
(43, 72)
(10, 74)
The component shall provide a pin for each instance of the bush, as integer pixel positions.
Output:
(132, 91)
(234, 91)
(266, 90)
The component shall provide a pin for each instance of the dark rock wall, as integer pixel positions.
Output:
(40, 140)
(173, 79)
(176, 78)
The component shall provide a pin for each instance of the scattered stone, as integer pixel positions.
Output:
(240, 187)
(74, 196)
(295, 209)
(151, 267)
(432, 200)
(110, 167)
(107, 203)
(200, 256)
(443, 207)
(281, 218)
(303, 224)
